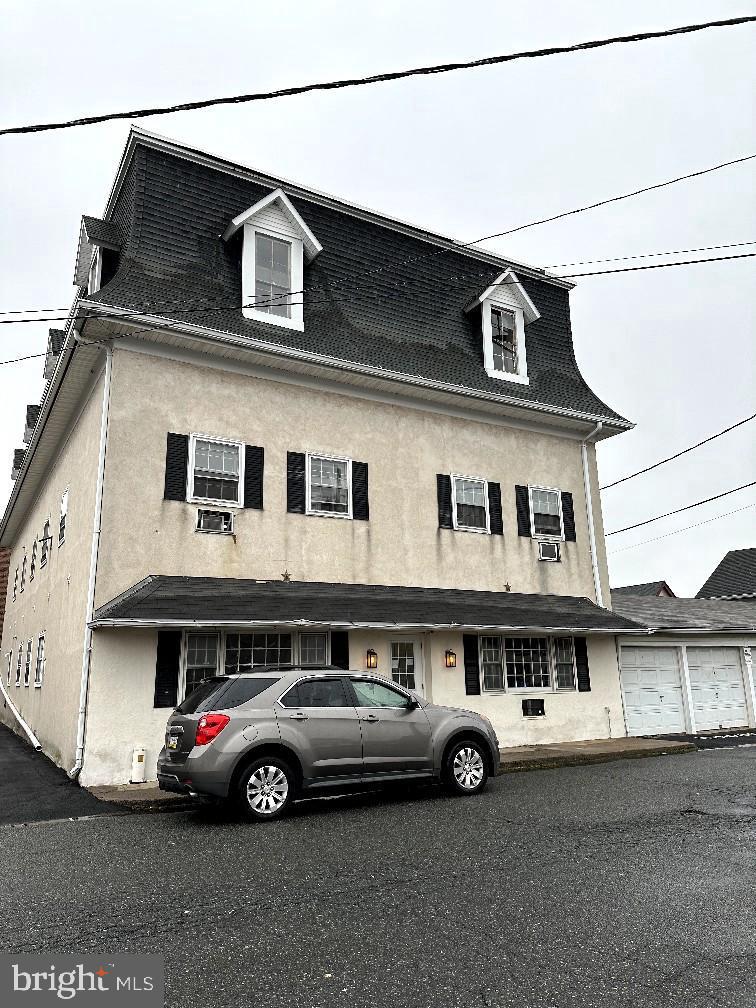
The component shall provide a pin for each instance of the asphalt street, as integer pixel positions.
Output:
(627, 884)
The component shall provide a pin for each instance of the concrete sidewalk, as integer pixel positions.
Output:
(149, 798)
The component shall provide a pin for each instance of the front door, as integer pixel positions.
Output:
(407, 664)
(395, 737)
(317, 717)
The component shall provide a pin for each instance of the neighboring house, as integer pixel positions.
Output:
(695, 673)
(282, 428)
(658, 588)
(734, 577)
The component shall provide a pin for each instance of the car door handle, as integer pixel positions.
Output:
(298, 716)
(370, 717)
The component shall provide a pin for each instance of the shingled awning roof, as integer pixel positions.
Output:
(186, 601)
(688, 615)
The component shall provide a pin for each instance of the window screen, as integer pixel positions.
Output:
(216, 470)
(272, 276)
(329, 485)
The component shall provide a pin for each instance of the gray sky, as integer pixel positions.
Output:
(466, 154)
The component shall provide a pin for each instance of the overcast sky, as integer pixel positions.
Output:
(465, 153)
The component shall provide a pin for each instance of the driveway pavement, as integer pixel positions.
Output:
(623, 884)
(32, 788)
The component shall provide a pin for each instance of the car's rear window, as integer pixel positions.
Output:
(242, 690)
(203, 698)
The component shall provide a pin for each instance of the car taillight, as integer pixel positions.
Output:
(210, 725)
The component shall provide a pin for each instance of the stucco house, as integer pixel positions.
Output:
(278, 427)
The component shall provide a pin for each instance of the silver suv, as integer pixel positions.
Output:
(264, 738)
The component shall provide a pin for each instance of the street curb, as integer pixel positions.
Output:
(551, 762)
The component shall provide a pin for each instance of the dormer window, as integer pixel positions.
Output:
(505, 311)
(276, 243)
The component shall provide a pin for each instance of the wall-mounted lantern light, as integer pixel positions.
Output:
(451, 659)
(371, 659)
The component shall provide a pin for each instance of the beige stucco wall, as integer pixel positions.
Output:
(122, 717)
(404, 447)
(54, 603)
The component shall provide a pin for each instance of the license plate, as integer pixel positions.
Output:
(173, 742)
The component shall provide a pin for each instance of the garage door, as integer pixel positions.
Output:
(716, 682)
(652, 688)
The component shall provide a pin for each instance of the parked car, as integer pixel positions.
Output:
(264, 738)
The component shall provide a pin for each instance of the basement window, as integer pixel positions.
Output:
(215, 521)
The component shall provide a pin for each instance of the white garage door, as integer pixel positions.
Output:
(652, 688)
(716, 682)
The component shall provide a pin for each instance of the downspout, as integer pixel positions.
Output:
(30, 734)
(589, 509)
(96, 528)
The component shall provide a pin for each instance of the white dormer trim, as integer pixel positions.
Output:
(508, 293)
(310, 243)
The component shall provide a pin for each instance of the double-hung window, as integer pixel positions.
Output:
(527, 663)
(313, 648)
(27, 670)
(45, 544)
(19, 663)
(272, 275)
(470, 504)
(39, 666)
(329, 486)
(23, 574)
(201, 659)
(10, 665)
(216, 471)
(63, 516)
(15, 585)
(33, 564)
(504, 339)
(546, 513)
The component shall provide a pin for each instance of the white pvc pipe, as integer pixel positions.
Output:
(589, 508)
(32, 737)
(86, 660)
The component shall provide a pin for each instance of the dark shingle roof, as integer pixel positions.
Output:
(100, 232)
(409, 319)
(735, 576)
(32, 415)
(651, 588)
(56, 340)
(165, 599)
(18, 457)
(686, 614)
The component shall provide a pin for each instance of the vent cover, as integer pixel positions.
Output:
(533, 707)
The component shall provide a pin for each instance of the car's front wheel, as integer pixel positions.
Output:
(466, 771)
(266, 789)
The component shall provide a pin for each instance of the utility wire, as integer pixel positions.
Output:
(686, 528)
(679, 510)
(639, 255)
(129, 312)
(678, 454)
(17, 360)
(375, 78)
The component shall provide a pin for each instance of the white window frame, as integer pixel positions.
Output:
(39, 665)
(20, 662)
(27, 667)
(297, 647)
(15, 585)
(22, 583)
(325, 456)
(468, 528)
(46, 541)
(296, 261)
(10, 665)
(63, 519)
(541, 535)
(33, 561)
(551, 649)
(520, 376)
(224, 505)
(94, 278)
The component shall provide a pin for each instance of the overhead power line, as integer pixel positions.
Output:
(679, 510)
(375, 78)
(209, 307)
(643, 255)
(685, 528)
(678, 454)
(17, 360)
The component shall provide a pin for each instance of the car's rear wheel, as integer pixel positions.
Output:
(266, 789)
(466, 770)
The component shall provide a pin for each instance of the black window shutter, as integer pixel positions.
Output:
(443, 492)
(568, 517)
(360, 501)
(295, 482)
(581, 664)
(494, 509)
(254, 467)
(522, 503)
(340, 649)
(472, 669)
(167, 668)
(176, 461)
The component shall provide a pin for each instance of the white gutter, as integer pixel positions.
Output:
(589, 509)
(96, 529)
(30, 734)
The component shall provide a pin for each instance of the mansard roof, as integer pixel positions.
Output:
(382, 298)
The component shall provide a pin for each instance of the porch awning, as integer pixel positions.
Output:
(161, 601)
